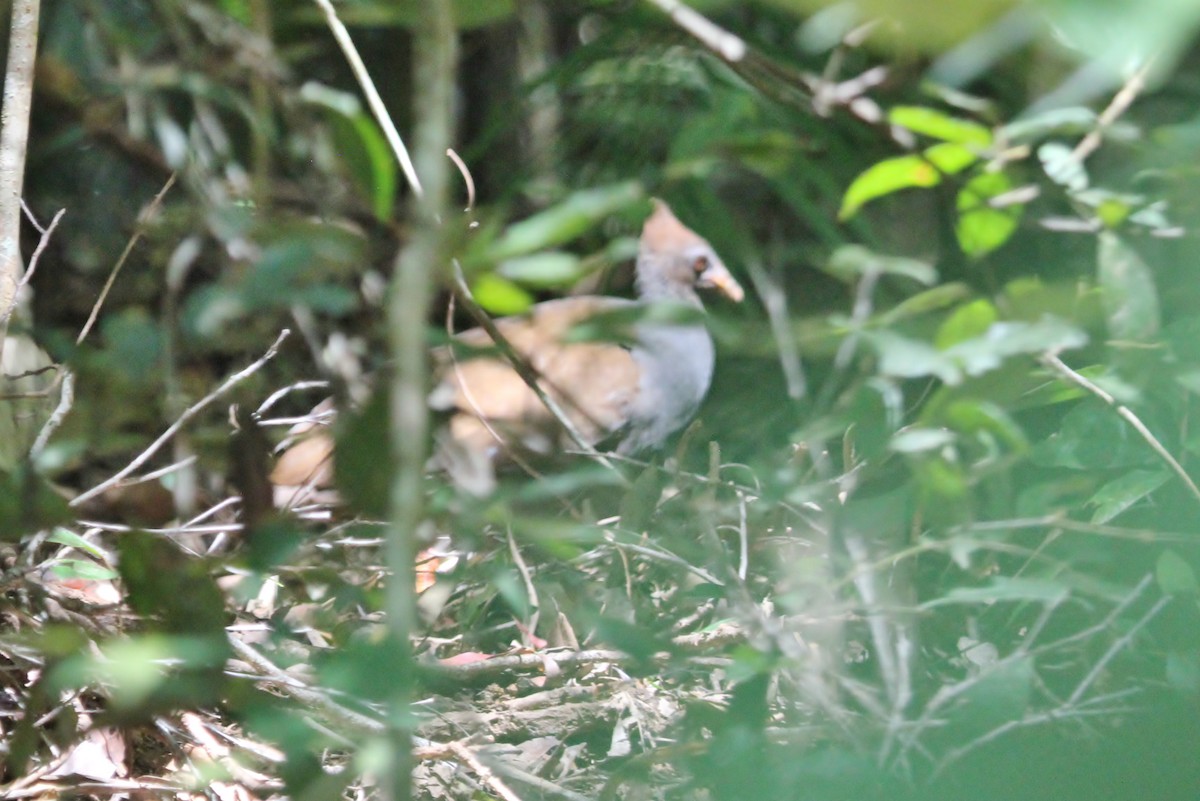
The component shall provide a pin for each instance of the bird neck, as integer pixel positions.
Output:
(654, 283)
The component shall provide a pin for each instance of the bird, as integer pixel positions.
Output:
(627, 394)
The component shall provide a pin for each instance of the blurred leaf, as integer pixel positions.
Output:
(166, 585)
(29, 503)
(389, 13)
(904, 357)
(1062, 166)
(938, 125)
(923, 303)
(1129, 294)
(982, 228)
(916, 440)
(561, 223)
(1121, 493)
(982, 416)
(1091, 437)
(360, 144)
(499, 295)
(362, 457)
(886, 177)
(133, 345)
(81, 569)
(1183, 671)
(549, 270)
(1071, 121)
(148, 672)
(639, 503)
(64, 536)
(951, 158)
(851, 262)
(1003, 588)
(1116, 35)
(966, 322)
(1175, 576)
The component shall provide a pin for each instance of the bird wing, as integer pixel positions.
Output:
(594, 383)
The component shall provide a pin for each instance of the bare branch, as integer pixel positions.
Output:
(187, 415)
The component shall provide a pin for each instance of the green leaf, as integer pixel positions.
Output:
(550, 270)
(1062, 166)
(1003, 588)
(360, 144)
(29, 503)
(499, 295)
(902, 357)
(884, 178)
(981, 227)
(561, 223)
(967, 321)
(938, 125)
(982, 417)
(922, 303)
(917, 440)
(1175, 576)
(169, 586)
(1073, 121)
(1129, 295)
(950, 158)
(64, 536)
(81, 569)
(851, 262)
(1121, 493)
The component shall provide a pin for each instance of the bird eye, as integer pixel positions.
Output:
(700, 264)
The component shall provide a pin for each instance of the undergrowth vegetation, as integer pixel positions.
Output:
(932, 533)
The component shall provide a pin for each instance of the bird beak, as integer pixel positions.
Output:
(718, 277)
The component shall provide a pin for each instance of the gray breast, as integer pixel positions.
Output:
(676, 367)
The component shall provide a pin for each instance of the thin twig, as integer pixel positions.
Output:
(66, 400)
(187, 415)
(1118, 106)
(143, 219)
(522, 368)
(468, 180)
(1052, 361)
(33, 263)
(372, 94)
(725, 44)
(302, 692)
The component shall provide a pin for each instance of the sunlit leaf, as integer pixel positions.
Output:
(886, 177)
(939, 125)
(982, 227)
(499, 295)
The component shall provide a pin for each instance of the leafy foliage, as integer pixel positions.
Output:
(931, 534)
